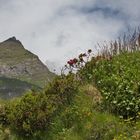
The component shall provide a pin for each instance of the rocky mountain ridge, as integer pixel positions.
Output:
(18, 63)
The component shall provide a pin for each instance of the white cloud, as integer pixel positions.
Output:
(57, 30)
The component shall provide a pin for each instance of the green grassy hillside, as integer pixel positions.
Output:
(87, 108)
(101, 101)
(118, 80)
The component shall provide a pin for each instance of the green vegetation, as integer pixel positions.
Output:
(99, 102)
(31, 116)
(118, 81)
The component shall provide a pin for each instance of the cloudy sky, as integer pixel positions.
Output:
(57, 30)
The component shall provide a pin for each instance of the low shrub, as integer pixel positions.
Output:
(32, 113)
(65, 87)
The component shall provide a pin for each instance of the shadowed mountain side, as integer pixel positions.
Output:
(10, 87)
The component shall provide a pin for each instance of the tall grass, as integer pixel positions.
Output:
(129, 42)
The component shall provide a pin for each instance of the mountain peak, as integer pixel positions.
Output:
(12, 39)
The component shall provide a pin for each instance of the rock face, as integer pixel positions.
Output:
(17, 62)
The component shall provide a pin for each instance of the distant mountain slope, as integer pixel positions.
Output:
(17, 62)
(10, 87)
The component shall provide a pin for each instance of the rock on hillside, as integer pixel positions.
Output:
(17, 62)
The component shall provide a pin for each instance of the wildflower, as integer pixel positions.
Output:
(81, 55)
(66, 66)
(81, 59)
(84, 55)
(70, 62)
(89, 51)
(75, 60)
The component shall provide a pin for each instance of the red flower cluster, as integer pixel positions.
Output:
(71, 62)
(79, 62)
